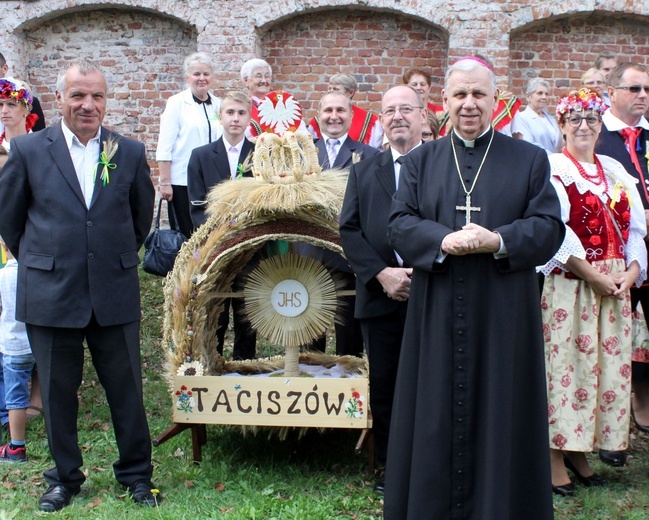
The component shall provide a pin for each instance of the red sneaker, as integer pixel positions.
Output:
(9, 454)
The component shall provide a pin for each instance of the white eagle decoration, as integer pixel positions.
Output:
(279, 111)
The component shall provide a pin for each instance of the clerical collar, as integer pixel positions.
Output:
(471, 144)
(615, 124)
(208, 101)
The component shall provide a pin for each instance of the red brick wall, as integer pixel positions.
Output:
(375, 47)
(562, 50)
(140, 53)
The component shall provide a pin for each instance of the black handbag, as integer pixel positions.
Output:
(162, 245)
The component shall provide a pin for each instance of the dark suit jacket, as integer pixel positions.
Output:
(72, 260)
(209, 165)
(612, 144)
(364, 231)
(344, 157)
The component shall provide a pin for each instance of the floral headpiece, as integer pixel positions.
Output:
(580, 101)
(11, 88)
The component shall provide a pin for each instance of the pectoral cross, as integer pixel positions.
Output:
(467, 208)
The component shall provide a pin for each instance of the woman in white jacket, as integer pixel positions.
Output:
(189, 120)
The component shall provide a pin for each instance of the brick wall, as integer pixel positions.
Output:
(560, 51)
(140, 53)
(141, 44)
(377, 48)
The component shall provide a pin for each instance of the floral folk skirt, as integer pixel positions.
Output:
(588, 363)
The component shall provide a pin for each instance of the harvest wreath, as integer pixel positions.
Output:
(289, 198)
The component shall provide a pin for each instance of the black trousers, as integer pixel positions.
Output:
(245, 338)
(383, 336)
(180, 202)
(115, 353)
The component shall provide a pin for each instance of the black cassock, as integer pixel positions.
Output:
(469, 436)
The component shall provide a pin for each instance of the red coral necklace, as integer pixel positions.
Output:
(596, 179)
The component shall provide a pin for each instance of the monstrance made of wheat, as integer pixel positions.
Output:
(290, 298)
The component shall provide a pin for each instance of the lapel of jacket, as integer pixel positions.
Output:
(344, 157)
(99, 183)
(221, 163)
(246, 150)
(323, 156)
(60, 153)
(385, 172)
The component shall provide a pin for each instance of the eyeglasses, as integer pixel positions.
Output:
(403, 109)
(427, 135)
(593, 83)
(575, 121)
(261, 76)
(635, 89)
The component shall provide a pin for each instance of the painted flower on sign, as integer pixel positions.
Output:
(185, 400)
(354, 407)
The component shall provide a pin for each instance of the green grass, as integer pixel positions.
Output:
(314, 477)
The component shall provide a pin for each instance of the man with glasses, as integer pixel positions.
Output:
(382, 279)
(474, 214)
(624, 137)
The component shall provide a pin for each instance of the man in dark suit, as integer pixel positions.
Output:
(76, 220)
(624, 136)
(337, 150)
(382, 281)
(209, 165)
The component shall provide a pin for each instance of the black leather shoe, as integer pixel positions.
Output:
(379, 486)
(593, 480)
(142, 493)
(617, 459)
(56, 498)
(567, 490)
(639, 426)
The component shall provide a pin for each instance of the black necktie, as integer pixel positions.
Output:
(401, 159)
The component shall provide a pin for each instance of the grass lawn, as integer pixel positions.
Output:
(247, 477)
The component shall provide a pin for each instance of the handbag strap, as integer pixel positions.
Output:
(173, 221)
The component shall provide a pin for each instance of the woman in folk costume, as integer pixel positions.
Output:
(15, 107)
(586, 302)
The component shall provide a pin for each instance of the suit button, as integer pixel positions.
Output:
(91, 256)
(89, 223)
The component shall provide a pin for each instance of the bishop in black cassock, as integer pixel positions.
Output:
(469, 435)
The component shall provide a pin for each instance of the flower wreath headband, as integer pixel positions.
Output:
(11, 88)
(580, 101)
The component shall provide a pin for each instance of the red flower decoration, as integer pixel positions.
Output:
(595, 240)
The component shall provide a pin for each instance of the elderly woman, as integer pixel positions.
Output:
(189, 120)
(535, 124)
(586, 303)
(15, 107)
(593, 78)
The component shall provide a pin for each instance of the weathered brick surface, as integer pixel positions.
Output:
(141, 43)
(561, 50)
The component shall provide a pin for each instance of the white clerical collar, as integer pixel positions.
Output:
(614, 124)
(341, 139)
(396, 154)
(70, 137)
(471, 144)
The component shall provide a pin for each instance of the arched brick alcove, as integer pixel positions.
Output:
(140, 52)
(562, 49)
(376, 47)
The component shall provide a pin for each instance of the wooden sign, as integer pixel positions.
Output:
(271, 401)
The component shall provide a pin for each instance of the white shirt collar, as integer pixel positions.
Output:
(342, 138)
(238, 146)
(613, 124)
(70, 137)
(396, 154)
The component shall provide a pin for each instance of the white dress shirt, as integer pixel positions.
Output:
(85, 160)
